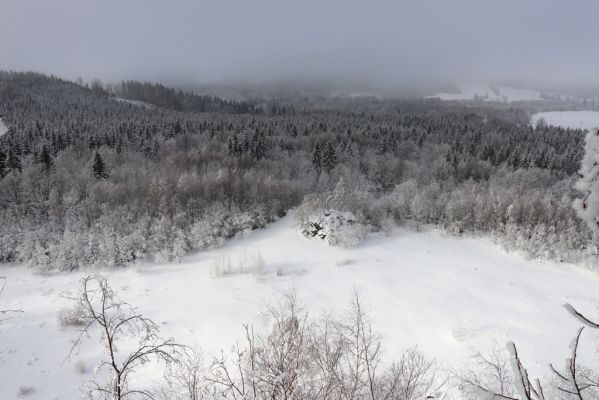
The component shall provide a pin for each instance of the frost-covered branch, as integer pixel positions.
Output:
(115, 319)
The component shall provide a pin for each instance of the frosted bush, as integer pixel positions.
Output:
(73, 316)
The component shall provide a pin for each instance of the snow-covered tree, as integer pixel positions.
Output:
(588, 207)
(329, 158)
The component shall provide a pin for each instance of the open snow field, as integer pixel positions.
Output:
(491, 93)
(442, 293)
(3, 128)
(135, 103)
(568, 119)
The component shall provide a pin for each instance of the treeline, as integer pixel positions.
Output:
(87, 180)
(178, 100)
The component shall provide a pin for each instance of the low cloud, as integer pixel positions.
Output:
(378, 42)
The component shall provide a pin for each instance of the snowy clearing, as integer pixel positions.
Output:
(135, 103)
(442, 293)
(491, 93)
(568, 119)
(3, 128)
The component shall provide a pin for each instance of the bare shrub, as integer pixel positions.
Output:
(575, 380)
(332, 358)
(491, 370)
(413, 377)
(246, 264)
(360, 370)
(71, 316)
(186, 377)
(271, 364)
(116, 320)
(25, 391)
(222, 266)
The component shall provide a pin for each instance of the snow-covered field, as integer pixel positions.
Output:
(442, 293)
(491, 93)
(135, 102)
(3, 128)
(568, 119)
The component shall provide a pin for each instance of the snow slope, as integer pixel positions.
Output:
(442, 293)
(568, 119)
(491, 93)
(3, 128)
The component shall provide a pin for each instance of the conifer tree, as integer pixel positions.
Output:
(45, 159)
(2, 164)
(99, 168)
(13, 163)
(329, 158)
(317, 157)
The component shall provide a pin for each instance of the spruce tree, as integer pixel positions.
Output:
(99, 168)
(317, 157)
(258, 148)
(45, 159)
(230, 148)
(13, 163)
(329, 158)
(2, 164)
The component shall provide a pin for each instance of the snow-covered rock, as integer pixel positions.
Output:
(337, 228)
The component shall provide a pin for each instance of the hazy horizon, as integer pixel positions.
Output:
(380, 44)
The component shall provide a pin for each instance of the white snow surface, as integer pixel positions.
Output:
(135, 103)
(442, 293)
(568, 119)
(3, 128)
(491, 93)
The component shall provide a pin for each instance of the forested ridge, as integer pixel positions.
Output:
(88, 180)
(162, 96)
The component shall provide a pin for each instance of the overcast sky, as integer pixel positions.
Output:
(260, 40)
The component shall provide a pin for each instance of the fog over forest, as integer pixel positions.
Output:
(382, 43)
